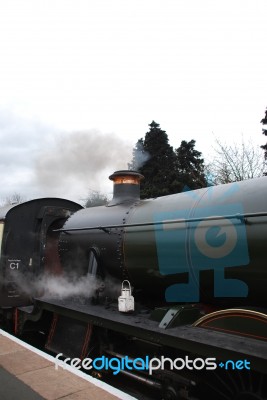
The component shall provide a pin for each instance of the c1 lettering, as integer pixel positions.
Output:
(14, 265)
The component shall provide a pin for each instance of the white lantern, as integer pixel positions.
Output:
(126, 300)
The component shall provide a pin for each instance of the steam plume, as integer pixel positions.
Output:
(140, 156)
(80, 160)
(62, 287)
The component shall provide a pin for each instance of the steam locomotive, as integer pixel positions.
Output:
(175, 279)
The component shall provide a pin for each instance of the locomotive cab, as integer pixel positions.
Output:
(29, 246)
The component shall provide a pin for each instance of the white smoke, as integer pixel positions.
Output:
(78, 161)
(62, 287)
(140, 156)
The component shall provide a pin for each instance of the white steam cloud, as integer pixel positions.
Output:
(62, 287)
(78, 161)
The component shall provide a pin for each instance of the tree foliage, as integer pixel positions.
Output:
(190, 166)
(159, 167)
(96, 199)
(166, 170)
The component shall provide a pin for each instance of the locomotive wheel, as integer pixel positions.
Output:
(169, 393)
(236, 385)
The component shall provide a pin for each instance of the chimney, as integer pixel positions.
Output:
(126, 186)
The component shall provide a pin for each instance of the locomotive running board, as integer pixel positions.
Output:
(190, 339)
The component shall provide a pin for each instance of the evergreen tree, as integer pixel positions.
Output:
(166, 171)
(190, 166)
(158, 169)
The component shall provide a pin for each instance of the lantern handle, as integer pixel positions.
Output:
(122, 287)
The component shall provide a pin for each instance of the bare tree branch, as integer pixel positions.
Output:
(236, 162)
(15, 198)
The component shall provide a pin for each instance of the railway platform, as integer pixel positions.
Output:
(27, 373)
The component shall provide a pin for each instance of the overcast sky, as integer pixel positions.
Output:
(80, 81)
